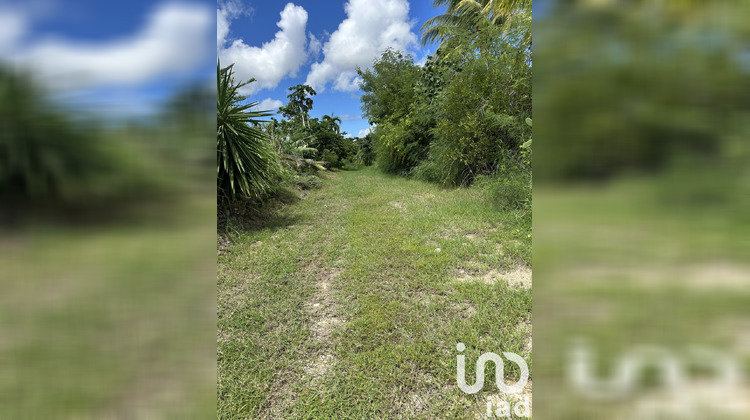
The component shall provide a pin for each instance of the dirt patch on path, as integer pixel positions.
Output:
(324, 317)
(708, 276)
(518, 277)
(520, 403)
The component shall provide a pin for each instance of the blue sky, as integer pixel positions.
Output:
(126, 58)
(116, 58)
(320, 43)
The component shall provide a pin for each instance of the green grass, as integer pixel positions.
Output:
(340, 305)
(621, 267)
(109, 321)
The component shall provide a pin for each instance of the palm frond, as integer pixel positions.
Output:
(301, 163)
(469, 15)
(246, 164)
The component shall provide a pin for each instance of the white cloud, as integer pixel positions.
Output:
(347, 81)
(13, 26)
(268, 104)
(227, 11)
(365, 131)
(159, 49)
(315, 46)
(275, 59)
(422, 61)
(371, 26)
(349, 117)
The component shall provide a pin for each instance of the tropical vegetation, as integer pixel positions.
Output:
(246, 163)
(460, 117)
(348, 301)
(58, 161)
(457, 119)
(259, 156)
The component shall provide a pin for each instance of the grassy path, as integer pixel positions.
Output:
(349, 303)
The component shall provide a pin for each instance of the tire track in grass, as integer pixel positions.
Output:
(377, 307)
(319, 272)
(324, 317)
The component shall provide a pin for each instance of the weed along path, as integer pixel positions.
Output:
(350, 303)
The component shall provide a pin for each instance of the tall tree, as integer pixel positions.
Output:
(300, 104)
(388, 87)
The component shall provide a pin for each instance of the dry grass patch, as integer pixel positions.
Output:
(518, 277)
(495, 399)
(222, 245)
(699, 276)
(324, 317)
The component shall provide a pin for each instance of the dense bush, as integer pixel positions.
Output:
(400, 140)
(400, 147)
(479, 121)
(332, 147)
(389, 87)
(365, 155)
(459, 116)
(509, 187)
(633, 100)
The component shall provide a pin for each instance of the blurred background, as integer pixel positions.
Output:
(107, 209)
(641, 209)
(641, 202)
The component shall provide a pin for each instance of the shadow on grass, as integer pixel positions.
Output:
(91, 213)
(252, 215)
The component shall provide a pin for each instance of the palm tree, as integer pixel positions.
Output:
(332, 123)
(463, 15)
(246, 164)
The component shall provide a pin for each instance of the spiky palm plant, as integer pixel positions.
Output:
(40, 154)
(284, 145)
(292, 152)
(246, 163)
(299, 147)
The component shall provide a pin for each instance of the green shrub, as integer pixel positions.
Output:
(509, 188)
(399, 147)
(442, 166)
(480, 122)
(349, 165)
(331, 157)
(402, 138)
(614, 114)
(303, 179)
(364, 157)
